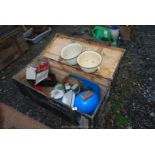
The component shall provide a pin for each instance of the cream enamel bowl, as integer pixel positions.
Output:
(70, 53)
(89, 61)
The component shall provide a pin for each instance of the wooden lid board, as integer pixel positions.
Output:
(111, 56)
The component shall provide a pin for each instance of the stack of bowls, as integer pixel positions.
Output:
(88, 61)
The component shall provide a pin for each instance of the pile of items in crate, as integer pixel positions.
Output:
(76, 92)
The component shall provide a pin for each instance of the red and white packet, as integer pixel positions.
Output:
(37, 70)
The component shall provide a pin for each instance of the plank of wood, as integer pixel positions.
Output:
(64, 69)
(8, 55)
(11, 47)
(22, 44)
(111, 56)
(83, 123)
(4, 38)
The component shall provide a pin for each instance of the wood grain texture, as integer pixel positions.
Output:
(63, 70)
(12, 45)
(111, 56)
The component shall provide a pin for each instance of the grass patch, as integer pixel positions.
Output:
(115, 116)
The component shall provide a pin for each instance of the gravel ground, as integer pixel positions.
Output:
(133, 86)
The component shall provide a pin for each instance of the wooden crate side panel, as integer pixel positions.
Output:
(47, 103)
(22, 44)
(10, 35)
(8, 55)
(12, 45)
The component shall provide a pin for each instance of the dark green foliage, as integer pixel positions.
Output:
(115, 116)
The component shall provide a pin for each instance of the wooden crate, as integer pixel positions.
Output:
(61, 70)
(12, 45)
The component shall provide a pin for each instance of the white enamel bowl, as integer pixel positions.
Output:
(89, 61)
(70, 53)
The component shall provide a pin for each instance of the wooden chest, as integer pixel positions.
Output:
(111, 57)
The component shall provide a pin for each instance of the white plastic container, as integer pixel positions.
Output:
(70, 53)
(38, 38)
(115, 32)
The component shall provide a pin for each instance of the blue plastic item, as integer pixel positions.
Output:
(88, 105)
(88, 84)
(114, 27)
